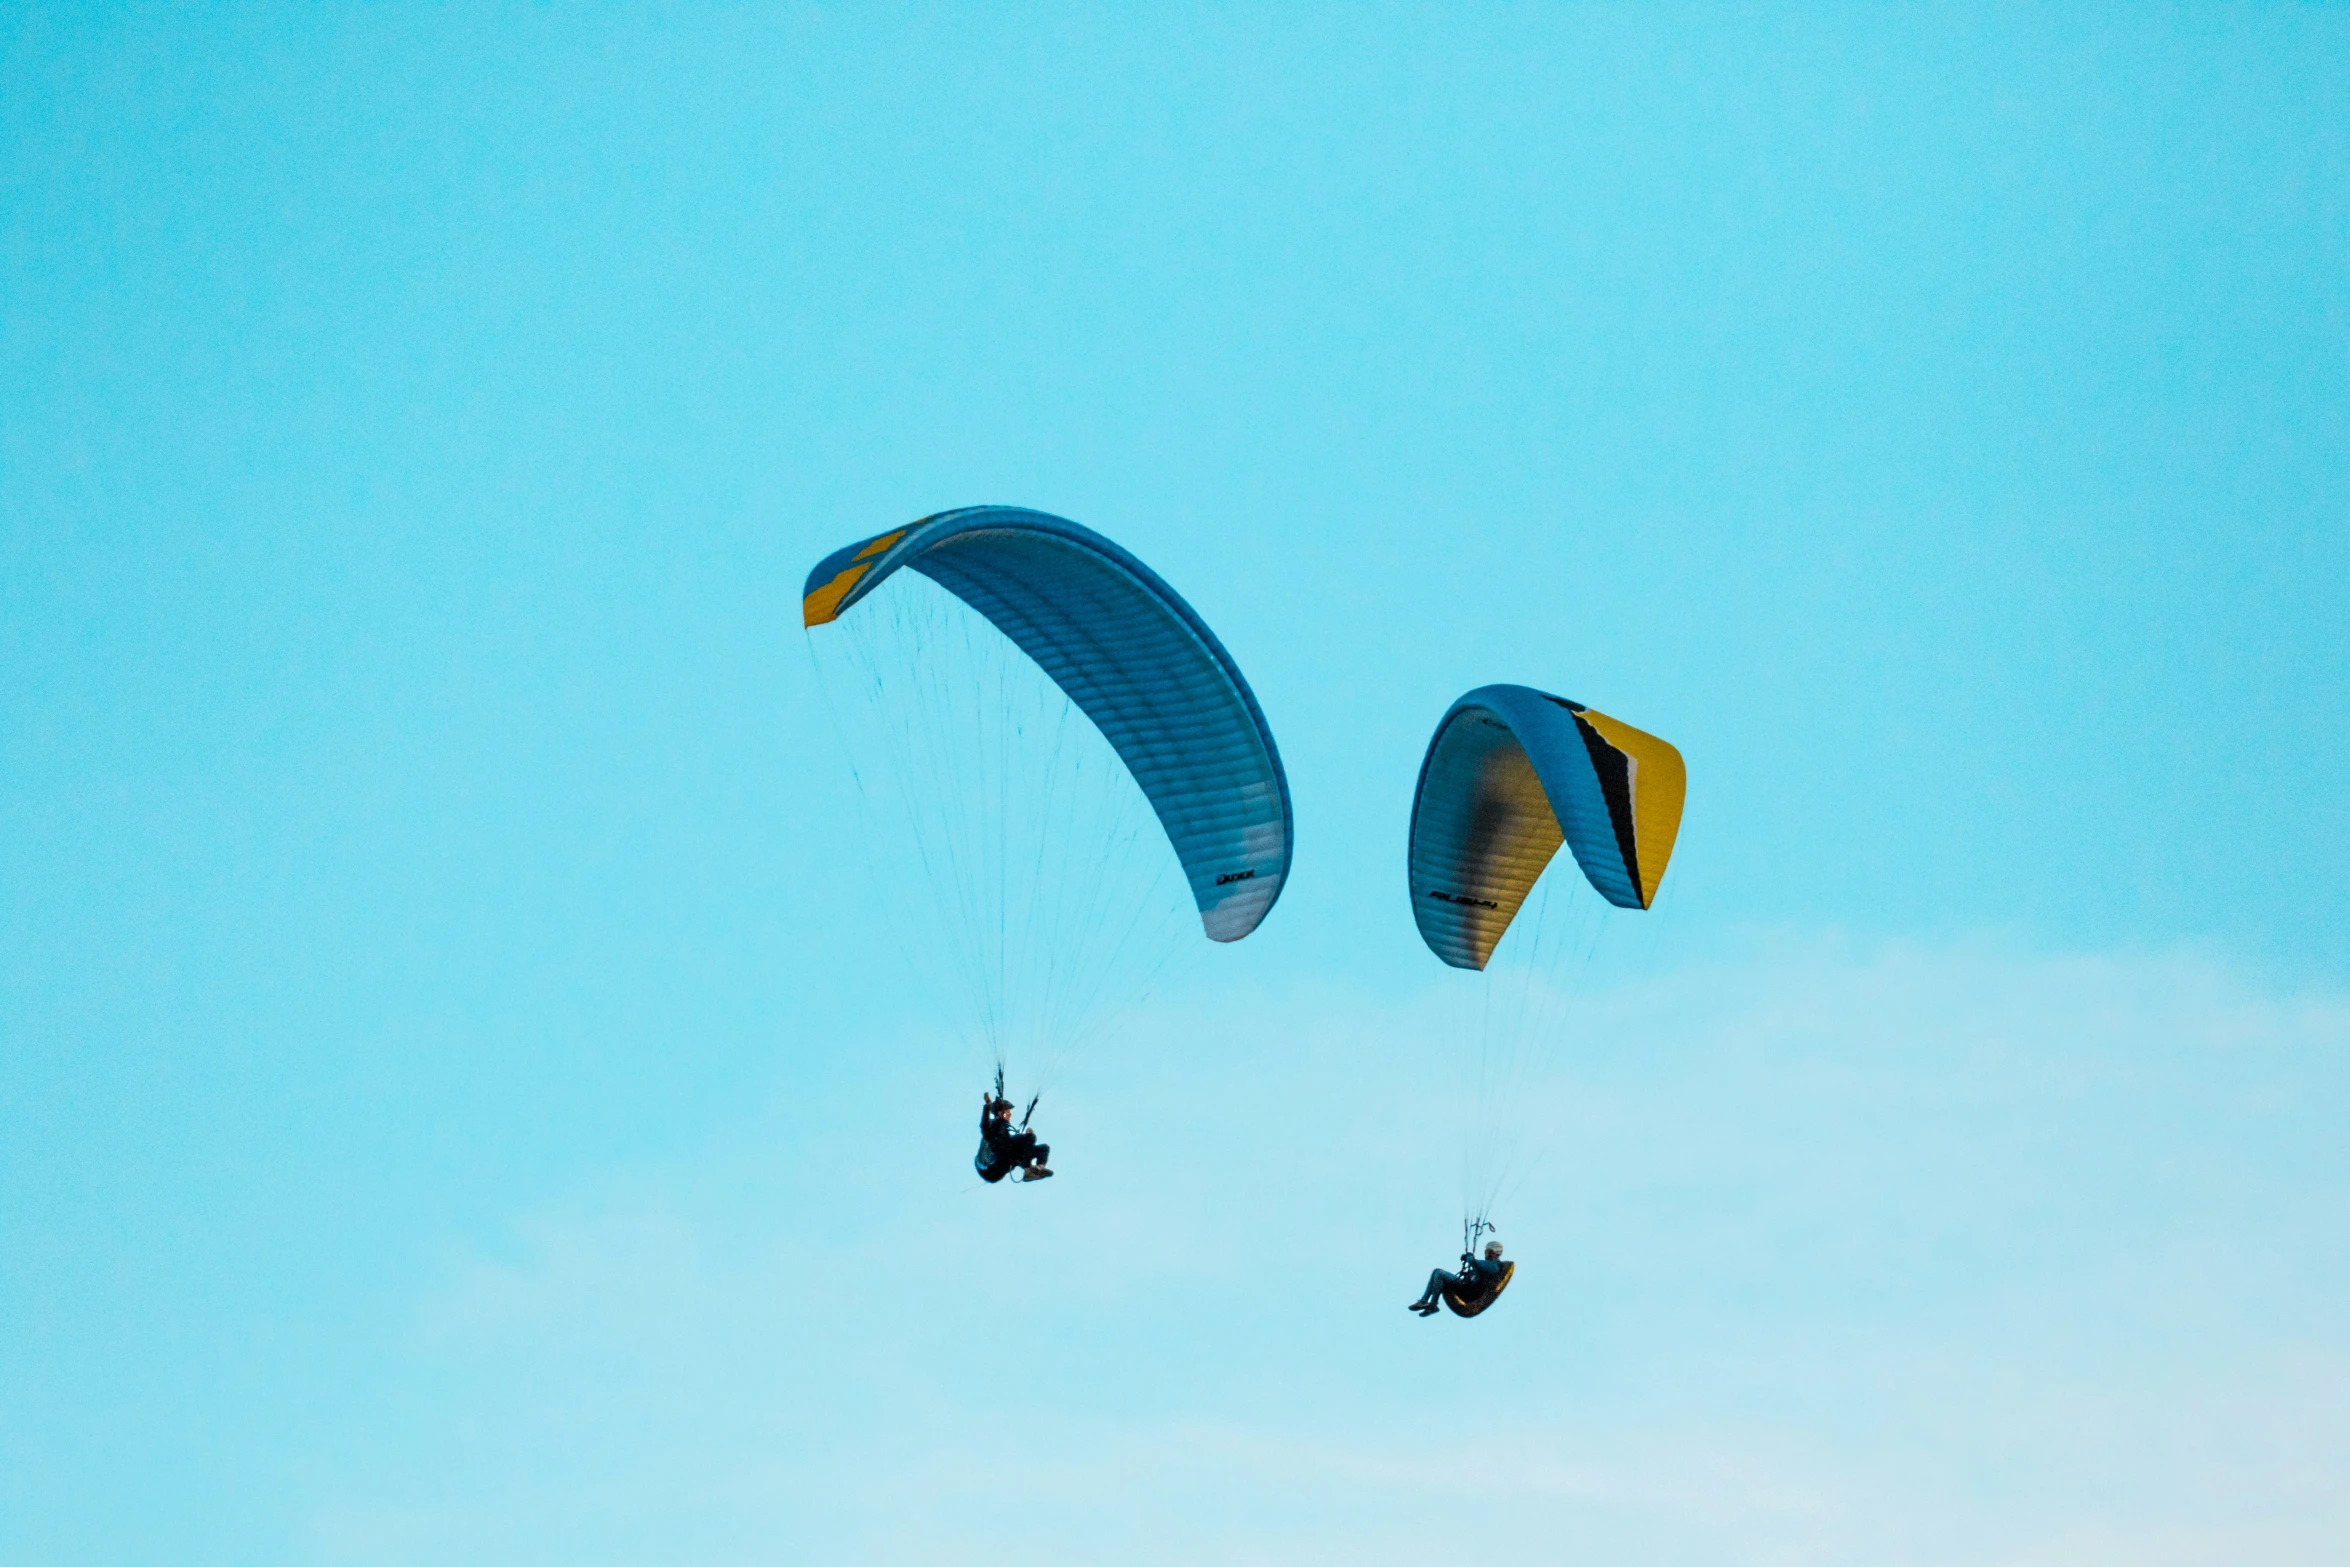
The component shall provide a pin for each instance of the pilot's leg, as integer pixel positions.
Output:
(1434, 1292)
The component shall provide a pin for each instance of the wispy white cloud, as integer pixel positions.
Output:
(1937, 1254)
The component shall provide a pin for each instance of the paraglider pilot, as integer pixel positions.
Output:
(1479, 1277)
(1003, 1148)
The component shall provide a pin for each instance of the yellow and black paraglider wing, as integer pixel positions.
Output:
(1512, 772)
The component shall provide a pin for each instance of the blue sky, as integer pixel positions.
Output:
(439, 1116)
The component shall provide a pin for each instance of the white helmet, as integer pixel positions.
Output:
(1492, 1250)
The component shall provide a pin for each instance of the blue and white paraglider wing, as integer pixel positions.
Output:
(1135, 659)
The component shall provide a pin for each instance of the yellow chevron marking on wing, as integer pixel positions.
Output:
(821, 605)
(1659, 784)
(824, 604)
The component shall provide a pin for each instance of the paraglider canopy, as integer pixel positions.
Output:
(1512, 772)
(1134, 658)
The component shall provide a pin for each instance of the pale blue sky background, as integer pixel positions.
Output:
(440, 1119)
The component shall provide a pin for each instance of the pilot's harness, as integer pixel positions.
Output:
(1472, 1286)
